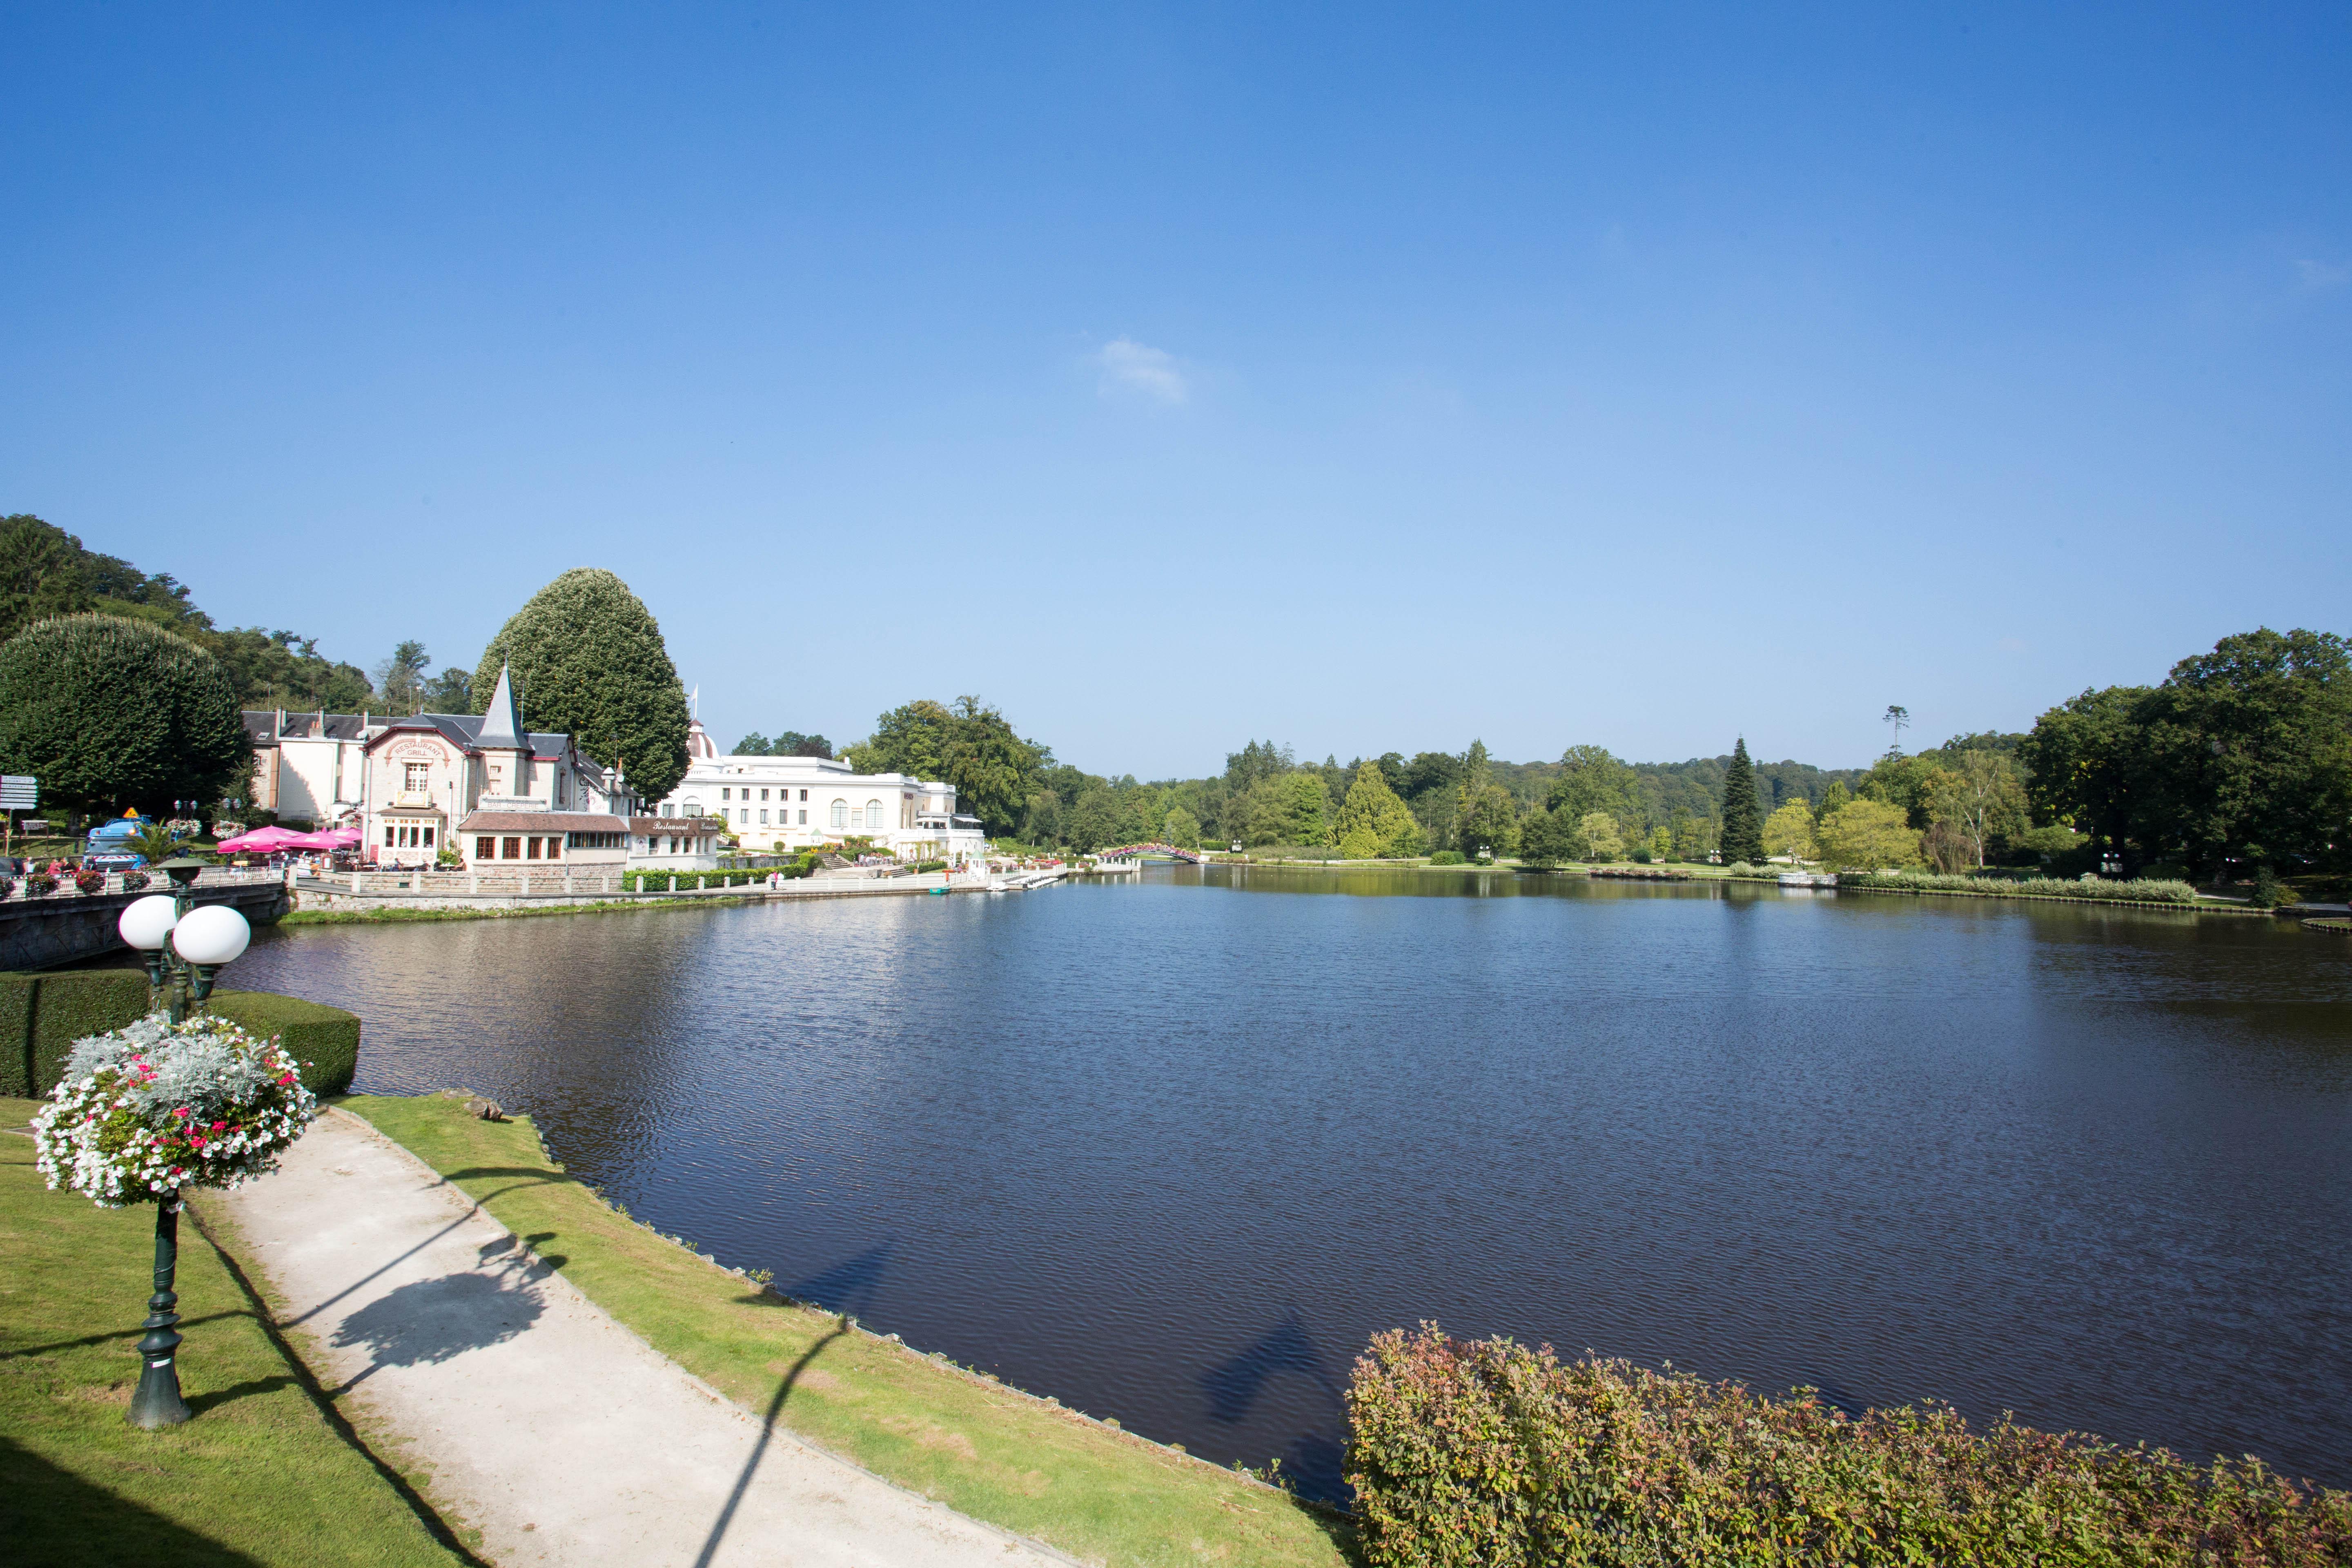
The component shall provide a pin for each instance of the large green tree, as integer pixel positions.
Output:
(1289, 809)
(1546, 839)
(588, 661)
(1742, 836)
(969, 745)
(1489, 820)
(1590, 780)
(2251, 747)
(109, 712)
(2086, 765)
(1374, 822)
(1866, 836)
(1980, 797)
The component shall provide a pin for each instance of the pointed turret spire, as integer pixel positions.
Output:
(502, 720)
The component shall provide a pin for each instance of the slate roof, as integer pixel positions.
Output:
(464, 730)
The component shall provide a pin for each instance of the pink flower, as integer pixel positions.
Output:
(196, 1140)
(183, 1110)
(220, 1126)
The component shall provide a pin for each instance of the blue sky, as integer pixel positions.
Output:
(1363, 378)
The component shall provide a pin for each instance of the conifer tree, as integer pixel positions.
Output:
(589, 662)
(1374, 822)
(1743, 829)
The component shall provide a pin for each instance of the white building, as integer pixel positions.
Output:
(784, 805)
(306, 766)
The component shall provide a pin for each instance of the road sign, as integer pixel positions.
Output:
(19, 792)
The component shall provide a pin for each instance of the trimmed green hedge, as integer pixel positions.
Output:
(658, 882)
(1489, 1455)
(325, 1040)
(42, 1015)
(74, 1003)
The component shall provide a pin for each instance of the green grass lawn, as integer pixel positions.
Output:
(984, 1450)
(268, 1472)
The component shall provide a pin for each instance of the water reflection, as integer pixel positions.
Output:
(1173, 1150)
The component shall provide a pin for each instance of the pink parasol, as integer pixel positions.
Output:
(260, 841)
(332, 838)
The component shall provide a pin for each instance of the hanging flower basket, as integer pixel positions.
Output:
(154, 1107)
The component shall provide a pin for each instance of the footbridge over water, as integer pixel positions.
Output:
(1138, 851)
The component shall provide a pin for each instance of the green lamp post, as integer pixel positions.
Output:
(185, 947)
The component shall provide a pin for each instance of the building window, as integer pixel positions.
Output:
(726, 793)
(485, 849)
(873, 814)
(555, 847)
(513, 849)
(804, 794)
(532, 852)
(428, 838)
(391, 836)
(841, 814)
(764, 818)
(804, 819)
(420, 777)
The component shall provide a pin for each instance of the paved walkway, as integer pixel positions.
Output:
(560, 1436)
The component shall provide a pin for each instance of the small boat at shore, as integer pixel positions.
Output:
(1809, 878)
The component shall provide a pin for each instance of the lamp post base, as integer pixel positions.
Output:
(157, 1402)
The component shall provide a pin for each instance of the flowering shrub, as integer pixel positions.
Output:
(90, 881)
(133, 881)
(7, 885)
(154, 1107)
(1492, 1455)
(39, 885)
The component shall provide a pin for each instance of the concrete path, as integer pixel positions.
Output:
(560, 1436)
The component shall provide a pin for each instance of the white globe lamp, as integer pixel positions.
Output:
(146, 923)
(211, 936)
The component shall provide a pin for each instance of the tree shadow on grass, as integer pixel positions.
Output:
(51, 1516)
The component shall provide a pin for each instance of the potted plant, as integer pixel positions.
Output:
(142, 1114)
(133, 881)
(40, 884)
(88, 881)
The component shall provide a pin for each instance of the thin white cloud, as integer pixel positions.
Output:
(2318, 275)
(1130, 367)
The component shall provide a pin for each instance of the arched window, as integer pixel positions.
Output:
(841, 814)
(873, 814)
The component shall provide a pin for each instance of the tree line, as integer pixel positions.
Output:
(2241, 757)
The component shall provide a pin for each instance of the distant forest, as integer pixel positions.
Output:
(44, 571)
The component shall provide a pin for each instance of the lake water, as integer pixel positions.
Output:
(1172, 1151)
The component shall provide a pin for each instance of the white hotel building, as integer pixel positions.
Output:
(782, 804)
